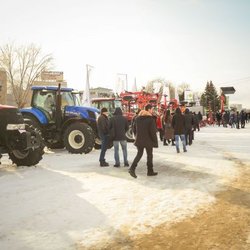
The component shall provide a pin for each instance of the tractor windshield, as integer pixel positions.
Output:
(77, 97)
(67, 99)
(44, 100)
(110, 104)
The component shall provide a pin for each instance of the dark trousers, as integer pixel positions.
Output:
(149, 151)
(104, 146)
(161, 133)
(197, 126)
(189, 136)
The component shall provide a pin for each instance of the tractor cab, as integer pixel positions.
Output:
(63, 122)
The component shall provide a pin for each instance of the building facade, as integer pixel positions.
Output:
(101, 92)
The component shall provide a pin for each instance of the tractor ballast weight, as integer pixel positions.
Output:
(63, 122)
(23, 143)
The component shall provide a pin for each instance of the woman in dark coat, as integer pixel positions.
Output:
(168, 129)
(145, 131)
(178, 124)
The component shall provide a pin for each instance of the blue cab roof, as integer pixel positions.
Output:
(51, 88)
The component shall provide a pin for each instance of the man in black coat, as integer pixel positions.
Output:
(178, 124)
(103, 131)
(189, 122)
(118, 128)
(145, 131)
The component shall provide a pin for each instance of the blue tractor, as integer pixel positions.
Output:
(63, 122)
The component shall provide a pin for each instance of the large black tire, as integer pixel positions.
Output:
(29, 157)
(130, 135)
(79, 138)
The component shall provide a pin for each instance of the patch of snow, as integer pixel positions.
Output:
(68, 198)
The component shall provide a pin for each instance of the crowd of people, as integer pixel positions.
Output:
(173, 127)
(233, 119)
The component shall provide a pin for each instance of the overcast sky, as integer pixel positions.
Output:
(191, 41)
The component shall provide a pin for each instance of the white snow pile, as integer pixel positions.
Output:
(69, 199)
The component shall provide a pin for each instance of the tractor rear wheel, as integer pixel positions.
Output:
(28, 157)
(79, 138)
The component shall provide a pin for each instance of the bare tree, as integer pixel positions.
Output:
(181, 89)
(23, 66)
(152, 88)
(164, 83)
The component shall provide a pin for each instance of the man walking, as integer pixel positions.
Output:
(119, 127)
(189, 122)
(178, 124)
(103, 131)
(145, 131)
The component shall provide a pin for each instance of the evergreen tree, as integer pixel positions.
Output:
(209, 98)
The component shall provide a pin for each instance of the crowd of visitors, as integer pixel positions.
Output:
(233, 119)
(172, 128)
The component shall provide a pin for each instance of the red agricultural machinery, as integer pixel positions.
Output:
(130, 102)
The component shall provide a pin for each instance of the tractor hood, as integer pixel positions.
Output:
(83, 112)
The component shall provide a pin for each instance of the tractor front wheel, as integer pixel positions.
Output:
(79, 138)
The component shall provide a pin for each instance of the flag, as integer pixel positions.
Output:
(86, 94)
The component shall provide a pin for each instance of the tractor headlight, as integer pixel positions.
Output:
(15, 127)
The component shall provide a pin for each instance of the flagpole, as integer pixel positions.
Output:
(86, 100)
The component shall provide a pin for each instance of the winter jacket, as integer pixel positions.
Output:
(145, 130)
(103, 125)
(118, 126)
(189, 121)
(168, 129)
(178, 124)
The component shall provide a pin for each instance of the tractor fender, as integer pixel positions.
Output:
(68, 122)
(34, 112)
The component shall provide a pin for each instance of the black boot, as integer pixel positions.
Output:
(152, 173)
(104, 164)
(132, 172)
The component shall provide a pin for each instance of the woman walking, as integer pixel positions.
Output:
(168, 129)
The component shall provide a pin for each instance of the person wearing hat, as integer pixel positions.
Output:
(103, 131)
(119, 125)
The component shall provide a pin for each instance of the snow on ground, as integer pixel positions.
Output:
(67, 199)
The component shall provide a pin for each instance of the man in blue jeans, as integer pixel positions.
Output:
(178, 123)
(118, 127)
(103, 131)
